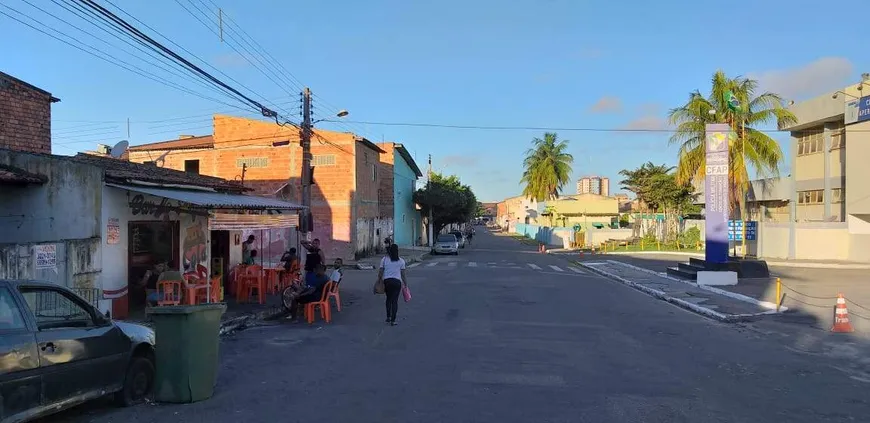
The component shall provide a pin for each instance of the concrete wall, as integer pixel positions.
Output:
(556, 237)
(406, 220)
(25, 117)
(65, 207)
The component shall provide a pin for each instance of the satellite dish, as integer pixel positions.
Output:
(119, 149)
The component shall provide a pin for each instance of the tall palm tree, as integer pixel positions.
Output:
(547, 168)
(750, 147)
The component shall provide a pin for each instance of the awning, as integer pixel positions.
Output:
(238, 222)
(214, 200)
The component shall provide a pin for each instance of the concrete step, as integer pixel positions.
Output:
(676, 271)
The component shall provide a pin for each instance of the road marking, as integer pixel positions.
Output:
(472, 264)
(414, 265)
(452, 264)
(556, 268)
(434, 263)
(534, 266)
(575, 270)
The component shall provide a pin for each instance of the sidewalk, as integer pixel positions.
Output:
(708, 301)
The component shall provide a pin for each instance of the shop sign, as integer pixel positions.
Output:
(140, 206)
(113, 231)
(45, 256)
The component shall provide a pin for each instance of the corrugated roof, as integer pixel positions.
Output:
(214, 200)
(123, 171)
(14, 175)
(204, 141)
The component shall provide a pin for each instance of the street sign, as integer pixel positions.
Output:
(736, 230)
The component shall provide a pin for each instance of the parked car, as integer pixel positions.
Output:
(446, 244)
(58, 351)
(460, 237)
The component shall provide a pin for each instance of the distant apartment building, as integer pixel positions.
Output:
(25, 116)
(593, 185)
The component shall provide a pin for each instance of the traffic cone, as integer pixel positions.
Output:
(841, 317)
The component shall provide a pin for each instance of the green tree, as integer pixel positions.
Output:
(449, 200)
(761, 151)
(658, 189)
(547, 168)
(638, 182)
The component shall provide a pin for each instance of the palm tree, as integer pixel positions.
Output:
(749, 147)
(547, 168)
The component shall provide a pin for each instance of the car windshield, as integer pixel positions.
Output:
(446, 238)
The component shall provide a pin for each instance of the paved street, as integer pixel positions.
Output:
(504, 334)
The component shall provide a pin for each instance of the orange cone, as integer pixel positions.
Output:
(841, 317)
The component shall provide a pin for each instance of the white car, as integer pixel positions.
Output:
(446, 244)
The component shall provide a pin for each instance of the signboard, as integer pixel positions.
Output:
(717, 207)
(736, 230)
(864, 109)
(113, 231)
(45, 256)
(851, 112)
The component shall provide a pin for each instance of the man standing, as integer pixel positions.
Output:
(313, 259)
(246, 249)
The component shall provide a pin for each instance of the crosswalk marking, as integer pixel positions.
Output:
(413, 265)
(556, 268)
(472, 264)
(452, 264)
(575, 270)
(565, 269)
(434, 263)
(534, 266)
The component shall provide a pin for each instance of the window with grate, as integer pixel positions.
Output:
(811, 141)
(837, 195)
(816, 196)
(323, 160)
(191, 166)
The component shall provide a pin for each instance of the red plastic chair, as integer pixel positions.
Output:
(325, 309)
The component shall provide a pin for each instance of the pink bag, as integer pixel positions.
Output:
(406, 292)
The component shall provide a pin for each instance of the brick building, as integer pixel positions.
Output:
(25, 116)
(347, 213)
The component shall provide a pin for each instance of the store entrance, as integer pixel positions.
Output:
(220, 256)
(150, 243)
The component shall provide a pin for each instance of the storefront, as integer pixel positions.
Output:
(192, 230)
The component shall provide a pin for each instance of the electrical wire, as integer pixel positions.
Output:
(104, 57)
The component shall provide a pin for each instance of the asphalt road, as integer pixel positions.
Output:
(504, 334)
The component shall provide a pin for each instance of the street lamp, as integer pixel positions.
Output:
(837, 94)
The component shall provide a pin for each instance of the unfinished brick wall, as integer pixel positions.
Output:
(25, 117)
(386, 181)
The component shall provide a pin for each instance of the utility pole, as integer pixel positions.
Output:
(305, 141)
(431, 223)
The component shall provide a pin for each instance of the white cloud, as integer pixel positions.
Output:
(647, 123)
(606, 104)
(814, 78)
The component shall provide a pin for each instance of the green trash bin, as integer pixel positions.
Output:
(186, 345)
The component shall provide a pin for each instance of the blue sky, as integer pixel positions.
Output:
(556, 63)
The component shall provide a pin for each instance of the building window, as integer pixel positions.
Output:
(403, 218)
(837, 195)
(253, 162)
(374, 171)
(191, 166)
(838, 137)
(149, 163)
(323, 160)
(811, 141)
(816, 196)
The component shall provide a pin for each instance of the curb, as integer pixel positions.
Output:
(657, 253)
(809, 265)
(740, 297)
(704, 311)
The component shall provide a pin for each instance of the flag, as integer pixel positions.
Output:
(733, 102)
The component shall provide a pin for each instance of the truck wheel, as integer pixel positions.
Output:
(138, 383)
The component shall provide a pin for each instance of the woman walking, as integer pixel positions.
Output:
(392, 273)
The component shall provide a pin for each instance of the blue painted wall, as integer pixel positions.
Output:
(406, 218)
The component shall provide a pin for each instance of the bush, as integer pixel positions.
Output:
(691, 237)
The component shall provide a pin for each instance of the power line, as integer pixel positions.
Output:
(106, 57)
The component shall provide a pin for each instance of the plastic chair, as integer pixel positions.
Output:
(252, 280)
(325, 309)
(334, 294)
(169, 293)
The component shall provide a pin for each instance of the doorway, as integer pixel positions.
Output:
(149, 243)
(220, 255)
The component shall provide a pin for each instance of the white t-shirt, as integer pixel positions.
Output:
(335, 276)
(392, 269)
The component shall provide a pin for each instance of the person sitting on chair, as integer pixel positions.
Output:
(309, 294)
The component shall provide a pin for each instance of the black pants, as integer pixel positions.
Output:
(392, 287)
